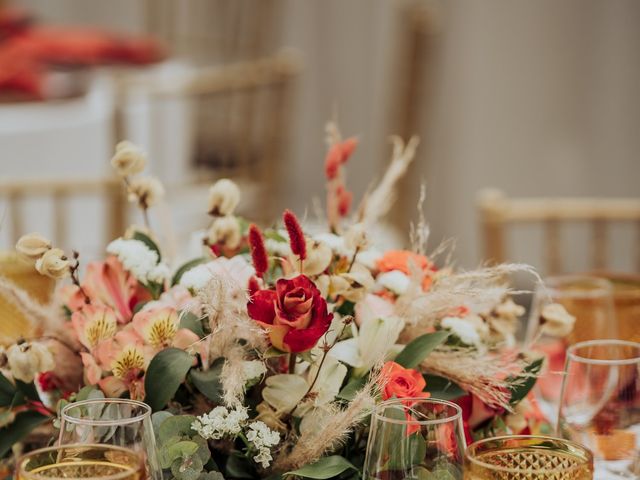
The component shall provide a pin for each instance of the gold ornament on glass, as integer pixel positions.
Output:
(415, 439)
(103, 462)
(590, 301)
(523, 457)
(600, 404)
(112, 421)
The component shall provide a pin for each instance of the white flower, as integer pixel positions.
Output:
(253, 369)
(137, 258)
(26, 360)
(53, 264)
(147, 191)
(220, 422)
(224, 196)
(235, 272)
(556, 321)
(32, 246)
(369, 258)
(262, 438)
(356, 237)
(159, 273)
(466, 330)
(319, 256)
(276, 248)
(394, 280)
(334, 242)
(128, 159)
(226, 231)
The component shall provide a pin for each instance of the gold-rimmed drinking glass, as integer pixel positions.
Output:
(112, 421)
(526, 457)
(590, 301)
(600, 404)
(98, 462)
(413, 439)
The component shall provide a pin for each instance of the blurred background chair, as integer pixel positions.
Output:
(498, 214)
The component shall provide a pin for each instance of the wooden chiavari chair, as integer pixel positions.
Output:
(498, 213)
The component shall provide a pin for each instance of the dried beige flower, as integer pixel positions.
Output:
(54, 264)
(356, 237)
(352, 286)
(509, 310)
(27, 359)
(129, 159)
(224, 196)
(32, 246)
(226, 231)
(556, 321)
(147, 191)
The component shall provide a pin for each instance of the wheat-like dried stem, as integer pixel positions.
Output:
(42, 317)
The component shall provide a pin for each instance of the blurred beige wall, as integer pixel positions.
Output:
(535, 98)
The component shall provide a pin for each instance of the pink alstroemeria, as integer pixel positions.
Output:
(160, 328)
(93, 324)
(109, 284)
(178, 298)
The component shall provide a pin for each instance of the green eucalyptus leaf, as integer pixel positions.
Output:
(87, 393)
(203, 449)
(324, 468)
(211, 476)
(182, 449)
(185, 268)
(148, 242)
(165, 373)
(187, 469)
(21, 426)
(418, 349)
(350, 389)
(175, 426)
(522, 385)
(157, 418)
(191, 322)
(208, 381)
(7, 391)
(442, 388)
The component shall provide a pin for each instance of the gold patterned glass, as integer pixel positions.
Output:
(415, 439)
(112, 421)
(590, 301)
(103, 462)
(527, 458)
(600, 405)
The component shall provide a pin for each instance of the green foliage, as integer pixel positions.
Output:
(274, 352)
(419, 348)
(185, 268)
(347, 308)
(23, 424)
(443, 388)
(166, 372)
(148, 242)
(351, 388)
(522, 385)
(239, 467)
(208, 381)
(191, 322)
(7, 391)
(326, 467)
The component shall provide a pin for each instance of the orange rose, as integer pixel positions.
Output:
(400, 259)
(401, 382)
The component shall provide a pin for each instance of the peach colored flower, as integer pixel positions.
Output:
(92, 371)
(160, 328)
(372, 307)
(92, 324)
(399, 260)
(400, 382)
(109, 284)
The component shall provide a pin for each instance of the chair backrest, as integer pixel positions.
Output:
(498, 212)
(59, 191)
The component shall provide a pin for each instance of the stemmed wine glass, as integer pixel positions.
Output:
(98, 462)
(600, 404)
(413, 439)
(590, 301)
(112, 421)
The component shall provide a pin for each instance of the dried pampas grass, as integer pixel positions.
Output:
(376, 204)
(309, 448)
(481, 374)
(40, 317)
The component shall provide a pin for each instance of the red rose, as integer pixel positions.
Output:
(294, 314)
(401, 382)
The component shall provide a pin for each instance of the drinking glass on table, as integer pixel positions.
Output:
(415, 439)
(98, 462)
(600, 405)
(525, 457)
(590, 301)
(112, 421)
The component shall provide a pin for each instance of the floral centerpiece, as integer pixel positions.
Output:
(264, 356)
